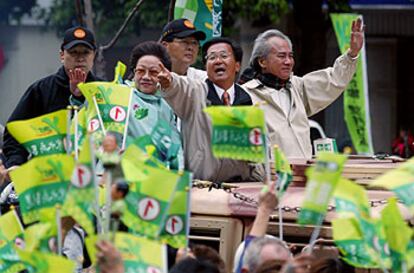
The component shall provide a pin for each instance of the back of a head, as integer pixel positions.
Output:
(191, 265)
(330, 265)
(254, 252)
(208, 254)
(270, 266)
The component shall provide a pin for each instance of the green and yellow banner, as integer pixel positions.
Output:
(322, 180)
(39, 262)
(41, 184)
(204, 14)
(178, 220)
(283, 170)
(150, 193)
(401, 182)
(42, 135)
(79, 202)
(238, 132)
(356, 102)
(11, 233)
(138, 254)
(351, 200)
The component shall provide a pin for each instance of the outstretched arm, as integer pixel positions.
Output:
(267, 203)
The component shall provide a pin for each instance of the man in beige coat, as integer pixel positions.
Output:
(291, 99)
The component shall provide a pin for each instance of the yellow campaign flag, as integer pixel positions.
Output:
(80, 199)
(401, 182)
(112, 106)
(147, 204)
(138, 254)
(39, 262)
(398, 235)
(40, 237)
(42, 135)
(351, 199)
(120, 70)
(42, 184)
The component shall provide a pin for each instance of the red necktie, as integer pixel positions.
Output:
(226, 98)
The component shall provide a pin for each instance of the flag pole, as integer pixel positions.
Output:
(69, 121)
(59, 230)
(96, 183)
(127, 120)
(75, 138)
(99, 115)
(315, 234)
(280, 195)
(187, 228)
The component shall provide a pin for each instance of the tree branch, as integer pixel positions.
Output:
(171, 11)
(122, 28)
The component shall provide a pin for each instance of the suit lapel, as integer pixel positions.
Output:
(212, 94)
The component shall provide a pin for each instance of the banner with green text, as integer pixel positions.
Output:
(356, 102)
(205, 15)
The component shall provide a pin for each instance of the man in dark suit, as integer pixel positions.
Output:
(188, 98)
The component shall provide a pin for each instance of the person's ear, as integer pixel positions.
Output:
(262, 62)
(61, 55)
(237, 67)
(165, 44)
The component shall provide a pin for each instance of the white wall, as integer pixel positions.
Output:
(31, 53)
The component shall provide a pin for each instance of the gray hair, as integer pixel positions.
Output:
(261, 47)
(252, 255)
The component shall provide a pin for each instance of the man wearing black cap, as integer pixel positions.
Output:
(56, 91)
(181, 39)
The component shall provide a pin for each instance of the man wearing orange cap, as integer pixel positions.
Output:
(182, 41)
(54, 92)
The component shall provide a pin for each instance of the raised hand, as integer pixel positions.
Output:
(76, 76)
(164, 77)
(109, 258)
(357, 37)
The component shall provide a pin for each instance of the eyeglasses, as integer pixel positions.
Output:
(141, 72)
(186, 43)
(223, 55)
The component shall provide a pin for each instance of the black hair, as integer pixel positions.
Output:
(237, 50)
(191, 265)
(149, 48)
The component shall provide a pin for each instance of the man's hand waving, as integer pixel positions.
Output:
(357, 38)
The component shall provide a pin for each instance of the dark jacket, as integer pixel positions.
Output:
(44, 96)
(240, 95)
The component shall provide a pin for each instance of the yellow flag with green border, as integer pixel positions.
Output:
(283, 170)
(79, 202)
(138, 254)
(150, 193)
(175, 232)
(41, 237)
(322, 180)
(349, 240)
(113, 106)
(398, 235)
(401, 182)
(42, 135)
(351, 199)
(120, 70)
(41, 184)
(238, 132)
(11, 232)
(39, 262)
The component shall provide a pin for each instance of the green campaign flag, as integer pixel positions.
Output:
(81, 127)
(398, 235)
(111, 111)
(348, 238)
(238, 132)
(138, 254)
(400, 181)
(42, 184)
(149, 197)
(11, 231)
(322, 180)
(178, 220)
(283, 170)
(204, 14)
(136, 154)
(41, 237)
(38, 262)
(351, 199)
(42, 135)
(80, 199)
(356, 103)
